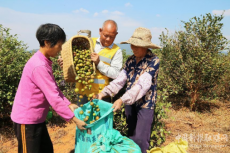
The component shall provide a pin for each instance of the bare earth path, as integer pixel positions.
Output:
(206, 132)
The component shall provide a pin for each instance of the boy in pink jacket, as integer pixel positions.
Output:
(37, 91)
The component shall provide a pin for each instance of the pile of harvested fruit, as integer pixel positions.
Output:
(91, 114)
(83, 65)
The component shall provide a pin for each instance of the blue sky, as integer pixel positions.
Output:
(25, 16)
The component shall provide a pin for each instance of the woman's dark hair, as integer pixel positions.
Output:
(50, 32)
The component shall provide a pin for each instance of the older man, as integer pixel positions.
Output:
(107, 57)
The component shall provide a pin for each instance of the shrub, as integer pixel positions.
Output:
(13, 57)
(190, 59)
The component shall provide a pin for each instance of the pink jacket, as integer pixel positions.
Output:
(37, 91)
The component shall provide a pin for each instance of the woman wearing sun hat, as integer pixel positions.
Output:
(140, 72)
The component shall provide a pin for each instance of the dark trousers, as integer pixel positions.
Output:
(33, 138)
(139, 125)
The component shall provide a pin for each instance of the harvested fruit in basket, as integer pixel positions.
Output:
(83, 65)
(98, 109)
(91, 103)
(86, 118)
(97, 118)
(91, 122)
(90, 113)
(76, 90)
(91, 95)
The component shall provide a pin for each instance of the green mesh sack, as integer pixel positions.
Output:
(113, 142)
(84, 139)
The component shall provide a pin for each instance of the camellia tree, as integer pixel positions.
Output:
(191, 62)
(13, 56)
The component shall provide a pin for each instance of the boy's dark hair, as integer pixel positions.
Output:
(50, 32)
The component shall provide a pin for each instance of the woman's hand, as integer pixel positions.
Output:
(80, 124)
(98, 96)
(72, 107)
(60, 61)
(117, 105)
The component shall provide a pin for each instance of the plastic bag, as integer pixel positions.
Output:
(113, 142)
(84, 139)
(174, 147)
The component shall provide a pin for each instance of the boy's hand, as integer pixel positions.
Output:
(72, 107)
(80, 124)
(60, 61)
